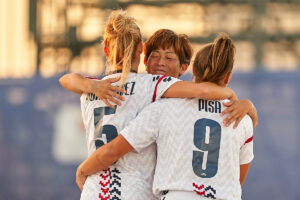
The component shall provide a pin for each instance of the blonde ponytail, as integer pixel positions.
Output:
(121, 37)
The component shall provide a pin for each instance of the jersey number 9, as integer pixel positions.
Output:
(207, 138)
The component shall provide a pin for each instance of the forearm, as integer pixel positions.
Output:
(105, 156)
(205, 90)
(243, 172)
(76, 83)
(212, 91)
(101, 159)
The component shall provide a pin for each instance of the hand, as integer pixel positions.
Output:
(237, 109)
(105, 91)
(80, 178)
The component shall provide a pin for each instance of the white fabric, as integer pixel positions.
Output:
(176, 125)
(132, 175)
(182, 195)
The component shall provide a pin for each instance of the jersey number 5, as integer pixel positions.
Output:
(109, 130)
(207, 138)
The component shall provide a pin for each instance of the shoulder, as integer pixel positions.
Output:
(110, 76)
(246, 122)
(177, 102)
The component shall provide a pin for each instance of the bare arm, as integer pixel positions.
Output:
(243, 172)
(205, 90)
(102, 158)
(75, 83)
(238, 109)
(102, 89)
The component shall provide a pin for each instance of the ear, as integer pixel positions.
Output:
(145, 62)
(228, 77)
(183, 68)
(106, 52)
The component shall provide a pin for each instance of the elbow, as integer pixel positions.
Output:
(255, 123)
(108, 156)
(63, 80)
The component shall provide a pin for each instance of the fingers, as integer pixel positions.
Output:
(227, 110)
(230, 118)
(113, 80)
(110, 93)
(117, 89)
(110, 98)
(239, 119)
(80, 185)
(227, 104)
(107, 103)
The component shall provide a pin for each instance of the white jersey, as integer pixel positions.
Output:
(195, 151)
(131, 177)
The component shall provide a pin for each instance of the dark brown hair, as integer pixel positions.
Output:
(165, 38)
(215, 60)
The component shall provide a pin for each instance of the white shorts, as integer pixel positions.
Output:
(182, 195)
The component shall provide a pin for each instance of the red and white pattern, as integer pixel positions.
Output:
(202, 190)
(104, 184)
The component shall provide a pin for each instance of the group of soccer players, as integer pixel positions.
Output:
(179, 148)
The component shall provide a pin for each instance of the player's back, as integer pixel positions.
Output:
(196, 152)
(132, 175)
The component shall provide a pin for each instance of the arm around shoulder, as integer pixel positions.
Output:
(205, 90)
(75, 83)
(253, 114)
(105, 156)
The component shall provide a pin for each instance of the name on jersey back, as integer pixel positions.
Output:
(209, 106)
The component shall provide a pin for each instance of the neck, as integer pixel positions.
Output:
(134, 68)
(221, 83)
(135, 65)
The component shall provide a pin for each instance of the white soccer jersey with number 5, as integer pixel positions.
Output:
(131, 177)
(195, 151)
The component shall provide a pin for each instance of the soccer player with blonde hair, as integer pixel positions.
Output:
(197, 156)
(131, 176)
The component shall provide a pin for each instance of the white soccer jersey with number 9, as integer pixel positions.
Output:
(130, 178)
(195, 151)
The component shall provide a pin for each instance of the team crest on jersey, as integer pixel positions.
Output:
(206, 191)
(110, 185)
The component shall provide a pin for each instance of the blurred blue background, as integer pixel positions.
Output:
(39, 155)
(42, 138)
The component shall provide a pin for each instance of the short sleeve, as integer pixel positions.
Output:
(162, 83)
(143, 130)
(246, 150)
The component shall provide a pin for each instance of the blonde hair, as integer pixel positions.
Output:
(121, 38)
(215, 60)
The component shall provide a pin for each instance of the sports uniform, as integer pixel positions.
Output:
(131, 177)
(196, 153)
